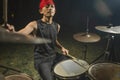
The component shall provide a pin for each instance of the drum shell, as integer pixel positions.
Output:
(78, 77)
(104, 71)
(21, 76)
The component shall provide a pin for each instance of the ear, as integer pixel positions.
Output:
(40, 11)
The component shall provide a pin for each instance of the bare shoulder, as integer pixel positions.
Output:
(58, 27)
(33, 24)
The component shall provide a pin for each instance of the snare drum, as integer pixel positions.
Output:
(22, 76)
(104, 71)
(71, 69)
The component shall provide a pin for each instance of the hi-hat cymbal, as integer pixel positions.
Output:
(114, 30)
(86, 37)
(9, 37)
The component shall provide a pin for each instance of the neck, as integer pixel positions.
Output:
(47, 20)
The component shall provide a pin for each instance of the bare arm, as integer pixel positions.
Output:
(64, 50)
(29, 28)
(26, 30)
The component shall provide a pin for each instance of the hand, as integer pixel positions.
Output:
(65, 51)
(10, 28)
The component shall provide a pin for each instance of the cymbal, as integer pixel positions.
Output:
(86, 37)
(114, 30)
(9, 37)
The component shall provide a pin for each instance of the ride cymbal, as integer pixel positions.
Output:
(86, 37)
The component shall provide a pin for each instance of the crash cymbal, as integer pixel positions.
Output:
(114, 30)
(86, 37)
(9, 37)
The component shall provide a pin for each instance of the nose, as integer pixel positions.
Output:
(50, 7)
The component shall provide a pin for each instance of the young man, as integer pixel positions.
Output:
(45, 55)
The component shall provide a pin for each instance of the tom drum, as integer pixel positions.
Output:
(22, 76)
(104, 71)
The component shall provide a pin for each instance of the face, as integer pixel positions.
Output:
(48, 10)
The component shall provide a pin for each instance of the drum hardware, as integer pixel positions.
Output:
(5, 12)
(8, 68)
(109, 46)
(86, 37)
(107, 52)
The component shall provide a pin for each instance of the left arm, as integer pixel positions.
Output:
(64, 50)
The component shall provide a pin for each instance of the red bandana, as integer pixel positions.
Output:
(45, 2)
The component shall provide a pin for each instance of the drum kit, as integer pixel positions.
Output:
(71, 69)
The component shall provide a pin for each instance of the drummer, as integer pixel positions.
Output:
(45, 55)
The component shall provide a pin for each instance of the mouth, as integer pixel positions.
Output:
(50, 12)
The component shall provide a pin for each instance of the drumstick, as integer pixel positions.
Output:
(72, 56)
(76, 60)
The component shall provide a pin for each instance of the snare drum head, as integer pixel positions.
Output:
(18, 77)
(71, 68)
(105, 71)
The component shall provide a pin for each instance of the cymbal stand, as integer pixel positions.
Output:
(85, 51)
(87, 29)
(5, 6)
(85, 45)
(108, 47)
(107, 52)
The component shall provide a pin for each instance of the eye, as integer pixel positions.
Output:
(52, 6)
(47, 6)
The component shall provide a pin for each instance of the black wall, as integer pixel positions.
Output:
(70, 14)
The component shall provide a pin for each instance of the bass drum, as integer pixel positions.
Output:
(21, 76)
(104, 71)
(71, 69)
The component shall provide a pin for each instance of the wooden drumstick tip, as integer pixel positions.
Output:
(69, 55)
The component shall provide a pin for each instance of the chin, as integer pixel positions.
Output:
(50, 15)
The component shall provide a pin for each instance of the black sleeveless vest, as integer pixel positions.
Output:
(47, 31)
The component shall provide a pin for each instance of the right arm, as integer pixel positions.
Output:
(26, 30)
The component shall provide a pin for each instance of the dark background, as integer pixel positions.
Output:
(70, 14)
